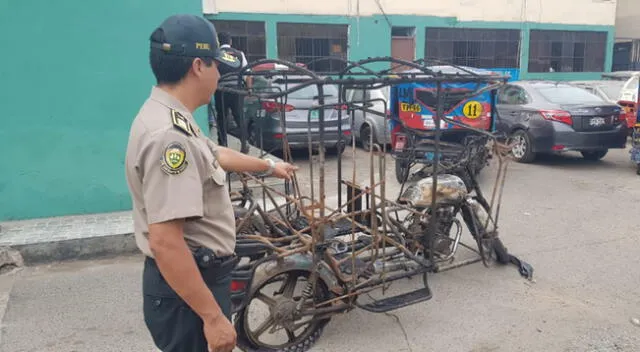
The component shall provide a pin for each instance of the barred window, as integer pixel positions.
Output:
(481, 48)
(248, 36)
(313, 44)
(567, 51)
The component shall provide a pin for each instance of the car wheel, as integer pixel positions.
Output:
(522, 151)
(594, 155)
(337, 149)
(365, 135)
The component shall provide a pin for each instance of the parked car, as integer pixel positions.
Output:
(629, 93)
(548, 117)
(611, 91)
(301, 121)
(374, 120)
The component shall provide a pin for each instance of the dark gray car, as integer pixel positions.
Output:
(547, 117)
(301, 118)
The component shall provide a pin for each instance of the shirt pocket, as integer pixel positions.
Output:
(216, 173)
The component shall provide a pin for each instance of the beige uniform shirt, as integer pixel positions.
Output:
(172, 173)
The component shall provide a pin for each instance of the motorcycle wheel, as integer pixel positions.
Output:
(278, 315)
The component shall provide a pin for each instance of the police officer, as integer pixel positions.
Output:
(227, 101)
(183, 217)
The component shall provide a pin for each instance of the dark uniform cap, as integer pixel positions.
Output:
(192, 36)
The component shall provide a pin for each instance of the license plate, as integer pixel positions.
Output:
(429, 122)
(314, 114)
(597, 121)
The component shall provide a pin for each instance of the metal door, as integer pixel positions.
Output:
(403, 48)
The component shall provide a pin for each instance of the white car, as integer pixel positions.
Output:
(629, 91)
(370, 117)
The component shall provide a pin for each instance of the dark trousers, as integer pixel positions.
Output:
(173, 325)
(225, 101)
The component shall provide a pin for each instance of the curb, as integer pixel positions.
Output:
(114, 237)
(98, 247)
(108, 244)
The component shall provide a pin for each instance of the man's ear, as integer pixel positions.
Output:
(197, 66)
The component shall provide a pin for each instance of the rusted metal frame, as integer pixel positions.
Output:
(264, 215)
(352, 81)
(286, 222)
(500, 178)
(372, 192)
(424, 75)
(391, 241)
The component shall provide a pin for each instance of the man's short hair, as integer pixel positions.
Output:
(224, 38)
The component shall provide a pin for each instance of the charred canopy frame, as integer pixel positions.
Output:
(365, 79)
(288, 241)
(357, 76)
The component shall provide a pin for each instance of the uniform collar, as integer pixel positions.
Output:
(172, 102)
(168, 100)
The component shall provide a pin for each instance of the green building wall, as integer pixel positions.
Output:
(74, 74)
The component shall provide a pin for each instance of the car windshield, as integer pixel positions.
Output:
(309, 92)
(563, 94)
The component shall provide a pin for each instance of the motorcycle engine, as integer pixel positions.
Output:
(419, 229)
(450, 188)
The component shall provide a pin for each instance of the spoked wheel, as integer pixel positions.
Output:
(270, 321)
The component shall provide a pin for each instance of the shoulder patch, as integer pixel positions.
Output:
(180, 122)
(174, 158)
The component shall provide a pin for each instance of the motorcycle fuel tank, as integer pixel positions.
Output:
(450, 188)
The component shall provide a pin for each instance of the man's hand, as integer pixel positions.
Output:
(234, 161)
(220, 334)
(284, 170)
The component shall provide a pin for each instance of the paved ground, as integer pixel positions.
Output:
(574, 221)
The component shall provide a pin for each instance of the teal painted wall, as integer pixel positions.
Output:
(370, 36)
(73, 74)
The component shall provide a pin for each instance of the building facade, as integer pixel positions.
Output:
(626, 55)
(75, 76)
(531, 39)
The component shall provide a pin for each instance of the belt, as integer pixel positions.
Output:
(208, 260)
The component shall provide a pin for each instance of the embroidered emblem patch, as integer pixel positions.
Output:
(174, 159)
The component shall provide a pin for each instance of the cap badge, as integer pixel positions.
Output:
(203, 46)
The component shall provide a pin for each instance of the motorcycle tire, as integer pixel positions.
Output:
(303, 343)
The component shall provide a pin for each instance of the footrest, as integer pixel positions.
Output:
(399, 301)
